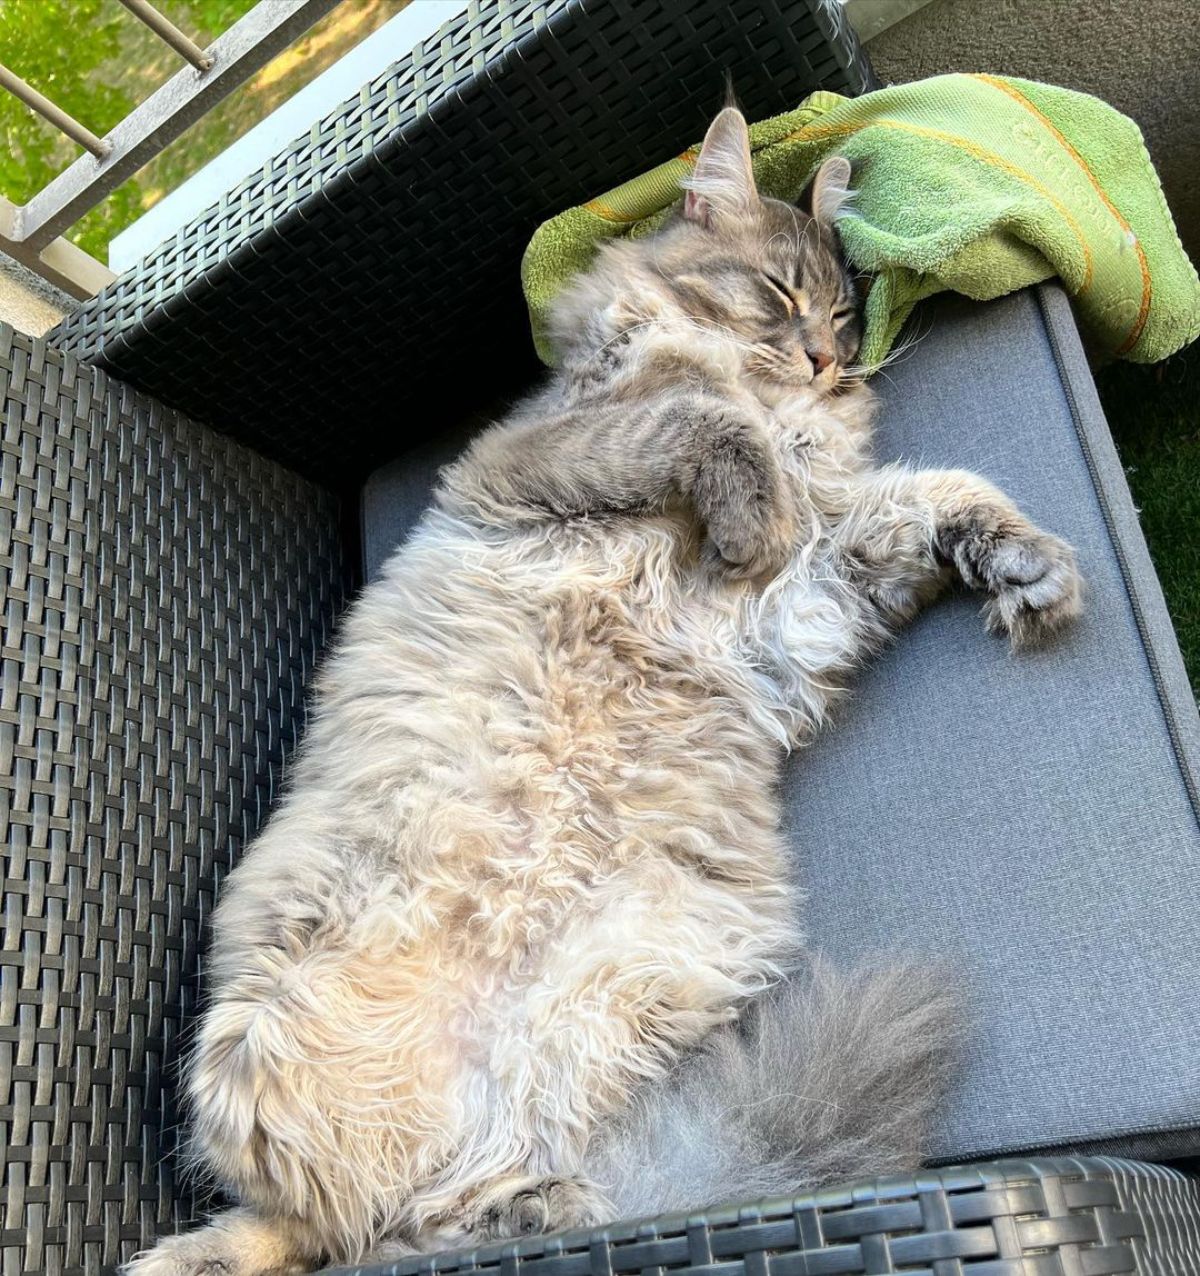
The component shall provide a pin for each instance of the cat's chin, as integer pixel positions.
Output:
(773, 391)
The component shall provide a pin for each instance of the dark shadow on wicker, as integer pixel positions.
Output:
(363, 286)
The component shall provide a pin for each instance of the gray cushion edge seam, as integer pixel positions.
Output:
(1015, 1149)
(1132, 587)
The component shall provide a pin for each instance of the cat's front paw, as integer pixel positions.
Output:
(1031, 576)
(742, 498)
(752, 542)
(1036, 589)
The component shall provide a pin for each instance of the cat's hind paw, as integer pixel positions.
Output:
(233, 1244)
(528, 1206)
(180, 1256)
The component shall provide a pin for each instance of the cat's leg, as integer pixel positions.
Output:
(320, 1095)
(635, 456)
(907, 531)
(236, 1243)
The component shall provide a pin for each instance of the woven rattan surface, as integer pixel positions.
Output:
(1046, 1217)
(362, 289)
(165, 594)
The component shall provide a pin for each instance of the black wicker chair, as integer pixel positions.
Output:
(169, 586)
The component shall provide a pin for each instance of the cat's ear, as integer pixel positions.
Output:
(829, 191)
(722, 183)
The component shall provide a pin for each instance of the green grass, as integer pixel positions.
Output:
(1155, 417)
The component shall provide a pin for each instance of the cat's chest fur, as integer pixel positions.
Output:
(829, 435)
(781, 648)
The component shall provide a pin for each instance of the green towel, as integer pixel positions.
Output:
(977, 183)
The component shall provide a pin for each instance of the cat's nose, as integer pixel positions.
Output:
(820, 359)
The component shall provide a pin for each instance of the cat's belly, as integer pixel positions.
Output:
(613, 771)
(656, 961)
(515, 876)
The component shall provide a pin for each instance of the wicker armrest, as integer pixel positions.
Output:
(364, 285)
(1044, 1217)
(166, 594)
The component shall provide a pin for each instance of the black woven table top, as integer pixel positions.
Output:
(363, 287)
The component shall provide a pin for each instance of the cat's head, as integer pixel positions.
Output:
(771, 274)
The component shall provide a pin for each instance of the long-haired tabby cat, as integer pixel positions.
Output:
(531, 856)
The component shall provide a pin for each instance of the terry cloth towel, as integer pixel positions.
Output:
(978, 183)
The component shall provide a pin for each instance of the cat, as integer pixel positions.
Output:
(493, 947)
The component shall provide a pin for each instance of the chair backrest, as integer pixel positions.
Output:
(364, 288)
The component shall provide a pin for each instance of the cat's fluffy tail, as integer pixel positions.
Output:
(832, 1076)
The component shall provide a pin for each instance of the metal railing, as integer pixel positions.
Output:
(32, 233)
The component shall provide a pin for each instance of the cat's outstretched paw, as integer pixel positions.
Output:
(1031, 576)
(1036, 589)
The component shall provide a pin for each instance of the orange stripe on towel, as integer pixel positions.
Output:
(610, 214)
(1140, 322)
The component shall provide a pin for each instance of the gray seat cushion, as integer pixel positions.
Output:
(1029, 820)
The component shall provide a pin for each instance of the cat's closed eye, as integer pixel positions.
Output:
(778, 286)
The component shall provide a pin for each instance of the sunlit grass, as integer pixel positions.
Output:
(98, 62)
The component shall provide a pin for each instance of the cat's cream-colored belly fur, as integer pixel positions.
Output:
(543, 859)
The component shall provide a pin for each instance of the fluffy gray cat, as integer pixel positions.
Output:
(482, 973)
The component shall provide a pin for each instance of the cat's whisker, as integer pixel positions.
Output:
(790, 241)
(902, 350)
(813, 224)
(704, 323)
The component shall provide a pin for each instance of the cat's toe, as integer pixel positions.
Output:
(528, 1213)
(1035, 586)
(1018, 561)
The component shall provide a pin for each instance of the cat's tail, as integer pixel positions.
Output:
(832, 1076)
